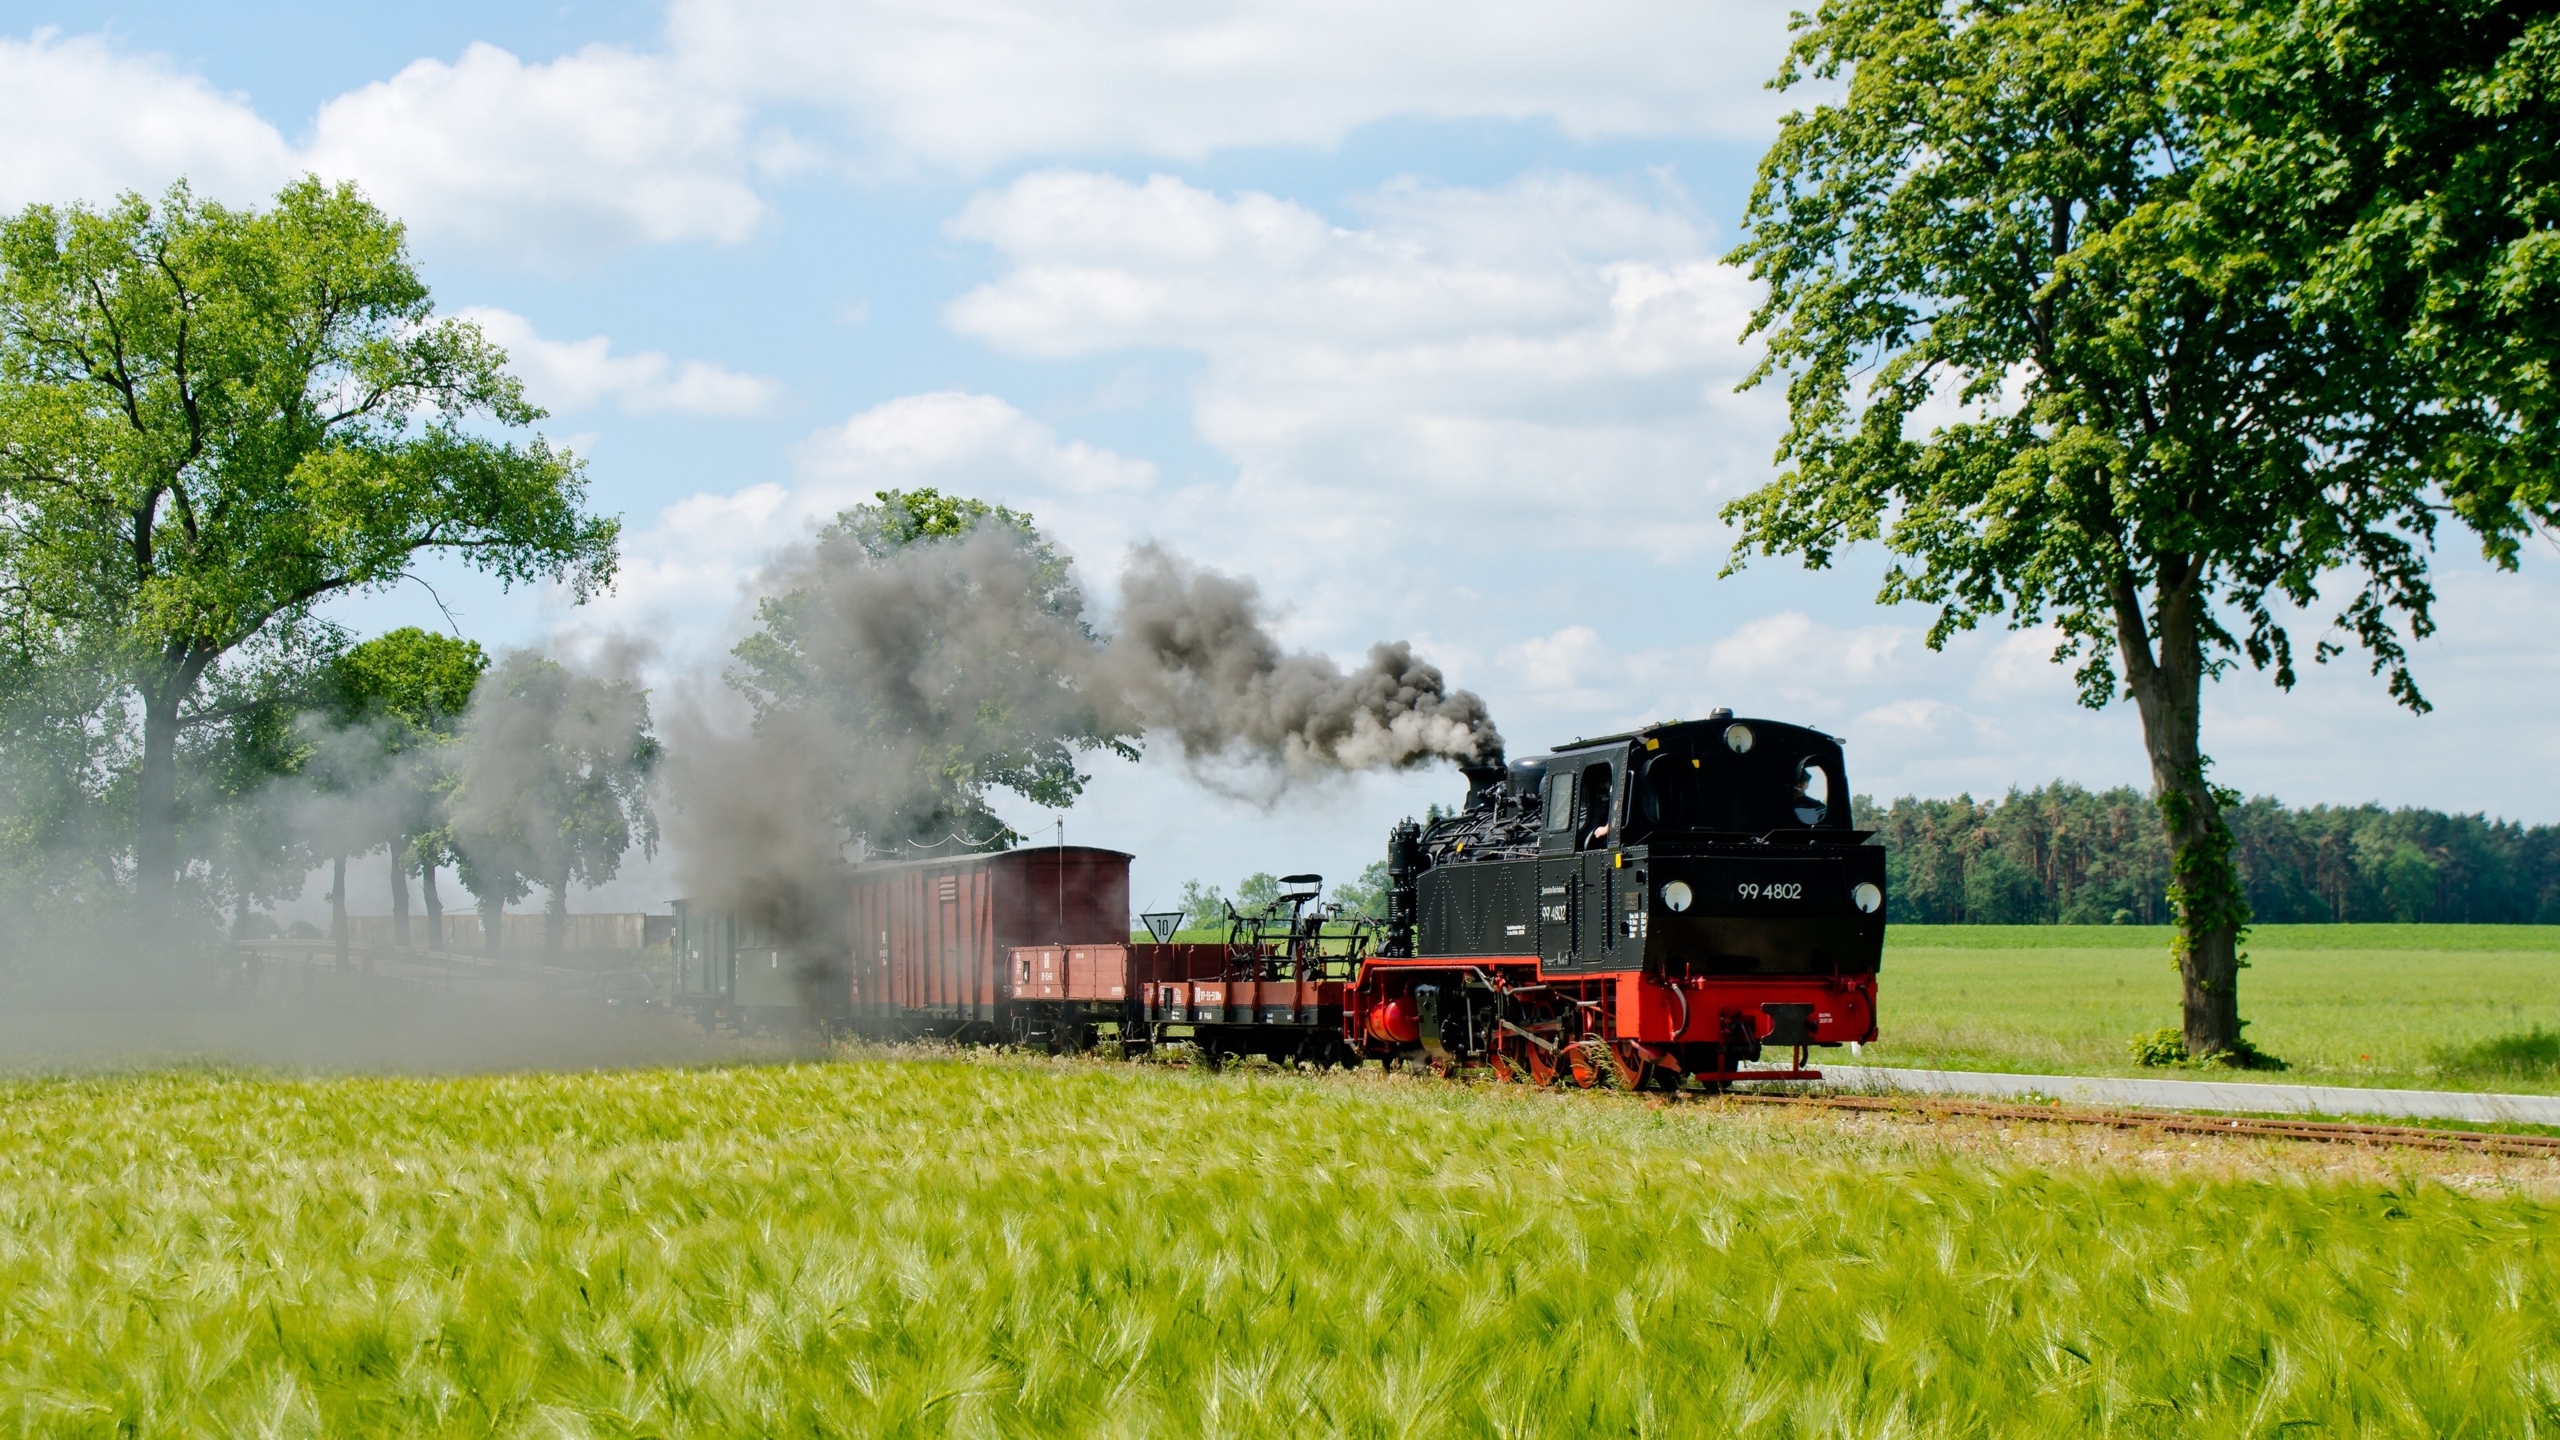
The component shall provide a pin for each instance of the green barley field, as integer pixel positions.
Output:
(2471, 1007)
(1008, 1247)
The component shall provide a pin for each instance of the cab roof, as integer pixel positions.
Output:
(1662, 728)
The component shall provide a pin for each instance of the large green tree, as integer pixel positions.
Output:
(214, 419)
(552, 775)
(400, 698)
(2132, 318)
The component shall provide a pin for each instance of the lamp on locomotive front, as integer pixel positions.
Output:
(1161, 924)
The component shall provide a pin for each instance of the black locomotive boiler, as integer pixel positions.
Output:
(1655, 906)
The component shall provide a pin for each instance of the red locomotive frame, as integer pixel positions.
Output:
(1634, 1029)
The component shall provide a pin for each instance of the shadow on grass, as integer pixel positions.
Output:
(2530, 1055)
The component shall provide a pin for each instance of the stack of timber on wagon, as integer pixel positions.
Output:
(1650, 908)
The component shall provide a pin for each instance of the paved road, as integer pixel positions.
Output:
(2209, 1094)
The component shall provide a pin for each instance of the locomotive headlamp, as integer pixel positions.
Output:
(1867, 897)
(1739, 737)
(1675, 896)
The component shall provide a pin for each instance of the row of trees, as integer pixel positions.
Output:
(2065, 855)
(1204, 905)
(408, 747)
(214, 421)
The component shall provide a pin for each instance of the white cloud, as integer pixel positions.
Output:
(548, 163)
(85, 121)
(1792, 646)
(551, 162)
(1911, 717)
(2021, 667)
(965, 442)
(1785, 664)
(556, 162)
(1572, 670)
(980, 83)
(1558, 342)
(566, 376)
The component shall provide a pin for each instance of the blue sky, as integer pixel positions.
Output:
(1413, 313)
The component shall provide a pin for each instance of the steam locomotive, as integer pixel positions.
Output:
(1652, 908)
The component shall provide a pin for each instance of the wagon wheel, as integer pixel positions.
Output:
(1586, 1067)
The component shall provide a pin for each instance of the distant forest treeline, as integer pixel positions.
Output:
(2065, 855)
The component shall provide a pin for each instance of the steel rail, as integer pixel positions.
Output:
(2335, 1132)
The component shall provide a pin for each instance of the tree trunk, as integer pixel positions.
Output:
(400, 892)
(338, 909)
(555, 921)
(493, 914)
(2205, 899)
(435, 905)
(155, 839)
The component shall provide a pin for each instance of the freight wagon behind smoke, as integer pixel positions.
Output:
(1648, 909)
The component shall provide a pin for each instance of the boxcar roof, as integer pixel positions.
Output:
(990, 857)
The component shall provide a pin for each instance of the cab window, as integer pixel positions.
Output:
(1812, 796)
(1596, 793)
(1560, 802)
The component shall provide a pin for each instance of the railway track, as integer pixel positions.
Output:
(2333, 1132)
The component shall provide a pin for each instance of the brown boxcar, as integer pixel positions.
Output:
(933, 941)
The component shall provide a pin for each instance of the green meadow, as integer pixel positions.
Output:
(2473, 1007)
(1004, 1247)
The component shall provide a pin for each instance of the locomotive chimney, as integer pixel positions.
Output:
(1484, 777)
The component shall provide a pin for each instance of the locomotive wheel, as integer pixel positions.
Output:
(1502, 1070)
(1627, 1066)
(1542, 1065)
(1585, 1066)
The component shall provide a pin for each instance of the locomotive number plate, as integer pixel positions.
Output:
(1750, 890)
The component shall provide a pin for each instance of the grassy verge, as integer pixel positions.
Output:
(2427, 1006)
(1001, 1248)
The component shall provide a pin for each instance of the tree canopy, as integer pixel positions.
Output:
(2125, 317)
(414, 681)
(552, 783)
(921, 656)
(214, 419)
